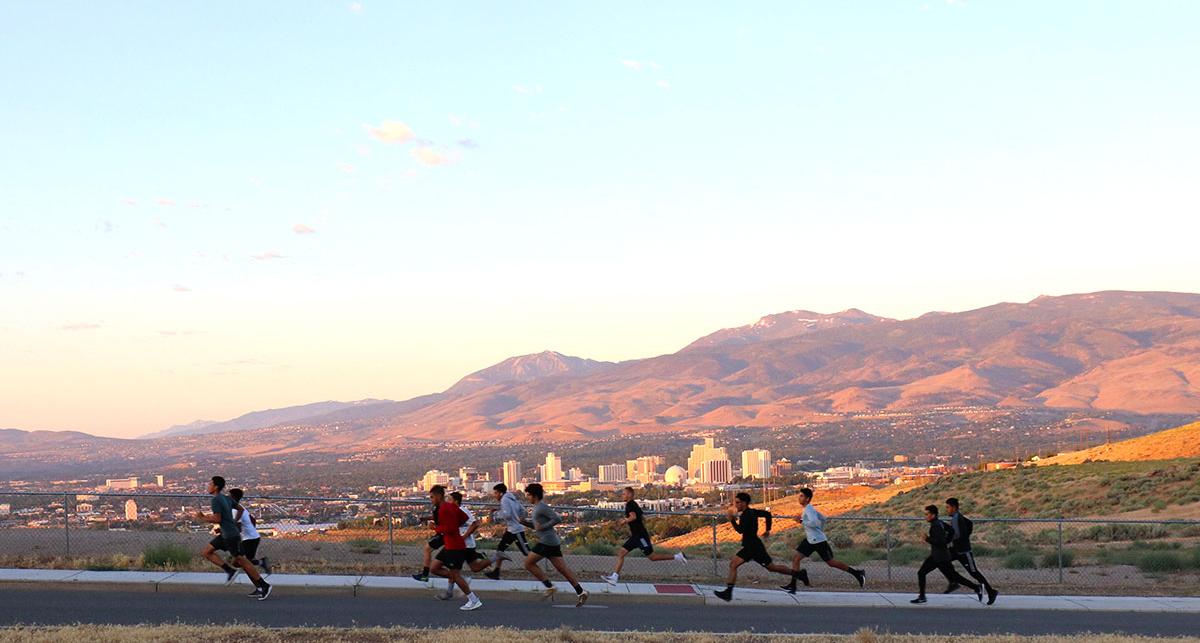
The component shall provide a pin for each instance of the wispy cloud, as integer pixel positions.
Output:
(166, 202)
(180, 288)
(470, 144)
(524, 89)
(390, 132)
(178, 333)
(431, 156)
(632, 64)
(455, 120)
(270, 255)
(346, 168)
(129, 202)
(80, 326)
(300, 228)
(664, 84)
(356, 7)
(104, 225)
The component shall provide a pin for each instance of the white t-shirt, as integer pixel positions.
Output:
(470, 540)
(248, 530)
(814, 525)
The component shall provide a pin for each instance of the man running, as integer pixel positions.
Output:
(960, 549)
(639, 538)
(548, 545)
(229, 540)
(450, 561)
(512, 514)
(744, 519)
(433, 544)
(249, 532)
(815, 542)
(474, 559)
(939, 557)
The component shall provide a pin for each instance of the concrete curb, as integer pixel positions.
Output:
(701, 593)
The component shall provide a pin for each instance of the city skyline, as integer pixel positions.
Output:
(262, 206)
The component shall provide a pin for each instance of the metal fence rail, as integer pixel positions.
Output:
(312, 534)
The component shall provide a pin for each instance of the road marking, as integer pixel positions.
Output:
(582, 607)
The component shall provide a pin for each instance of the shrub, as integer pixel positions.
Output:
(908, 554)
(600, 549)
(166, 555)
(365, 545)
(1050, 559)
(1020, 559)
(841, 541)
(1161, 561)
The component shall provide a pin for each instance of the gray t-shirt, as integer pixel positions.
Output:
(222, 505)
(544, 519)
(814, 525)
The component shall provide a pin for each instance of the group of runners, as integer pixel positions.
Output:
(453, 548)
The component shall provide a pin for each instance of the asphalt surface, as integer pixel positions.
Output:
(39, 605)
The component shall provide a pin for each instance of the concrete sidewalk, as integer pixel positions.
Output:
(599, 590)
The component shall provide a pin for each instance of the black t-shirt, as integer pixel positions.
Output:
(747, 524)
(637, 528)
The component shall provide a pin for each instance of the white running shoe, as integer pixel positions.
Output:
(680, 557)
(471, 605)
(611, 579)
(581, 598)
(548, 593)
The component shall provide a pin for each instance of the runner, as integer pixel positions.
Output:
(639, 538)
(474, 559)
(745, 521)
(939, 557)
(449, 561)
(249, 532)
(548, 545)
(229, 540)
(960, 549)
(433, 544)
(815, 542)
(512, 514)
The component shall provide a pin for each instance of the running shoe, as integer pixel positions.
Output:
(471, 604)
(581, 598)
(724, 594)
(611, 579)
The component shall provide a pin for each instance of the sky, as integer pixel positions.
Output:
(209, 208)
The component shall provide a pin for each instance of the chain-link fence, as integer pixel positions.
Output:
(114, 531)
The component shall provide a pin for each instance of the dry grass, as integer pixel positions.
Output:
(253, 634)
(1180, 442)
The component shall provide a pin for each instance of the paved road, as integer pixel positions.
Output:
(23, 604)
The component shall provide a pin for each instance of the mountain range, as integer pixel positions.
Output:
(1134, 352)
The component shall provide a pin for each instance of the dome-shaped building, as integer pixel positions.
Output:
(675, 476)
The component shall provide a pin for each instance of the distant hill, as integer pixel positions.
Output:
(1180, 442)
(784, 325)
(526, 368)
(260, 419)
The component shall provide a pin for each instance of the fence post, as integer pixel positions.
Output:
(391, 547)
(715, 555)
(67, 523)
(887, 539)
(1060, 552)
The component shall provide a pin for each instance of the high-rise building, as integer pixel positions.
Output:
(716, 471)
(130, 509)
(611, 473)
(756, 463)
(644, 469)
(512, 474)
(701, 453)
(552, 471)
(782, 467)
(121, 483)
(434, 477)
(575, 474)
(160, 480)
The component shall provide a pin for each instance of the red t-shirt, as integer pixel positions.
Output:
(449, 519)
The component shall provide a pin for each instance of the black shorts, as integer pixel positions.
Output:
(473, 555)
(821, 549)
(436, 542)
(639, 542)
(756, 552)
(453, 558)
(249, 548)
(547, 551)
(509, 538)
(232, 544)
